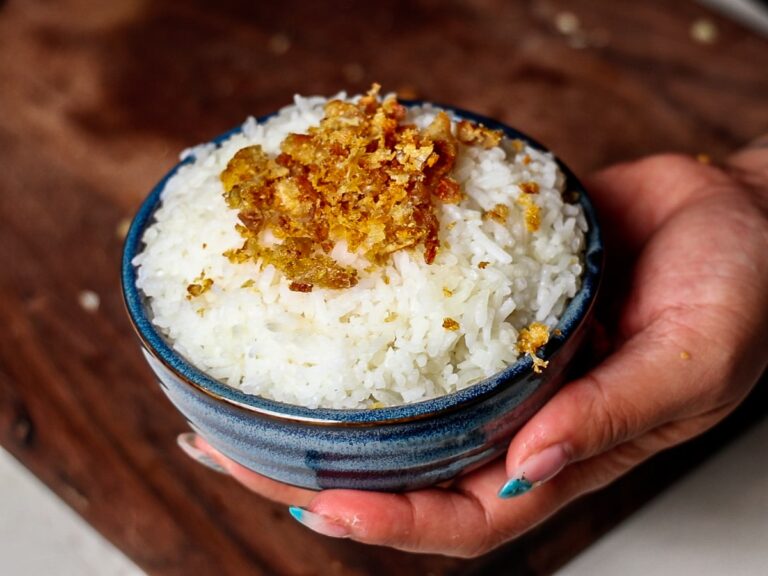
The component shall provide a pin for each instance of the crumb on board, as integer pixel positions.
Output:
(450, 324)
(567, 23)
(279, 44)
(530, 339)
(89, 300)
(704, 31)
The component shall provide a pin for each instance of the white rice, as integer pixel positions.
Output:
(377, 343)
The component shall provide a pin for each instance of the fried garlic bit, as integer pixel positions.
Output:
(476, 134)
(450, 324)
(498, 213)
(529, 187)
(362, 176)
(199, 286)
(530, 339)
(531, 212)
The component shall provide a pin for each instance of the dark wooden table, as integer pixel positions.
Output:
(97, 100)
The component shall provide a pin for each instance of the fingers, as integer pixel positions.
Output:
(209, 456)
(465, 520)
(659, 376)
(453, 521)
(470, 519)
(643, 194)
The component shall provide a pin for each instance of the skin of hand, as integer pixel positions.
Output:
(687, 294)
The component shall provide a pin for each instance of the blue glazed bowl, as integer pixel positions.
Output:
(392, 449)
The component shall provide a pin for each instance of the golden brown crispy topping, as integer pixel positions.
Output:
(449, 191)
(450, 324)
(477, 135)
(198, 287)
(361, 176)
(498, 213)
(300, 287)
(531, 213)
(529, 187)
(483, 265)
(530, 340)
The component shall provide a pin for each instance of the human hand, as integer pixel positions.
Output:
(687, 325)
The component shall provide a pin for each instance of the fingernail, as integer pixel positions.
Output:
(535, 470)
(515, 487)
(319, 523)
(186, 442)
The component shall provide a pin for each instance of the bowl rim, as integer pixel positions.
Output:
(157, 345)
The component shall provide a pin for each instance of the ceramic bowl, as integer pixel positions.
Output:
(393, 449)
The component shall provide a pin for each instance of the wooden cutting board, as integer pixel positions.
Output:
(98, 99)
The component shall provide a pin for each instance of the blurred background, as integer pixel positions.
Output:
(99, 98)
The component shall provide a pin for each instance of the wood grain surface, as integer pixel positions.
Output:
(99, 98)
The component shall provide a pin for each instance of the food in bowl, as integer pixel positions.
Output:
(397, 447)
(354, 253)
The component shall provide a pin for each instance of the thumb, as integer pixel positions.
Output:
(624, 397)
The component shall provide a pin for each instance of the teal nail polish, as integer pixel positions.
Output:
(296, 512)
(319, 523)
(515, 487)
